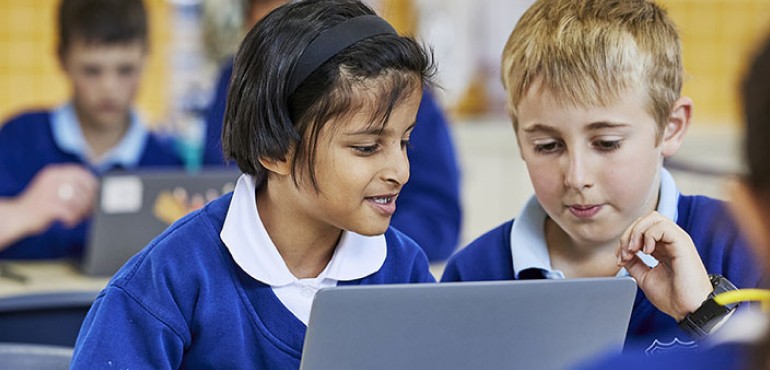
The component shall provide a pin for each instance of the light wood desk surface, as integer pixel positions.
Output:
(24, 277)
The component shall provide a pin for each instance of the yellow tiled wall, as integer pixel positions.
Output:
(718, 38)
(29, 71)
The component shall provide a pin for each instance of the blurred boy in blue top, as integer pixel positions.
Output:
(49, 160)
(594, 93)
(319, 114)
(429, 208)
(744, 342)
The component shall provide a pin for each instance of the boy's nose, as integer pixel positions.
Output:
(577, 174)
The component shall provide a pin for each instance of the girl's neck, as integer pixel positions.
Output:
(577, 260)
(305, 246)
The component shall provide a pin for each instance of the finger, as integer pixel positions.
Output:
(625, 241)
(650, 241)
(637, 269)
(640, 229)
(66, 213)
(670, 241)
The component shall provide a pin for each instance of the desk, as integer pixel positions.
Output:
(24, 277)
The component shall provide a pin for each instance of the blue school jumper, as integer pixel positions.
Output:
(706, 220)
(731, 356)
(27, 144)
(732, 347)
(184, 303)
(428, 207)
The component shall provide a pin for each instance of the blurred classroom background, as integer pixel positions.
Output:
(467, 37)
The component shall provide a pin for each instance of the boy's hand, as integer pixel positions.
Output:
(63, 192)
(679, 284)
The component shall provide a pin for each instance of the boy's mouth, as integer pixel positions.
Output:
(584, 211)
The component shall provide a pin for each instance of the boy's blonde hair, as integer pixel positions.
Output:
(589, 52)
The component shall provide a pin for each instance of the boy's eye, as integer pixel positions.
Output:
(366, 150)
(126, 71)
(548, 147)
(607, 145)
(91, 71)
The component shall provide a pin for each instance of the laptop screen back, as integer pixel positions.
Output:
(528, 324)
(133, 208)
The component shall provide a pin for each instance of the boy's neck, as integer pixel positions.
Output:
(579, 260)
(101, 137)
(305, 251)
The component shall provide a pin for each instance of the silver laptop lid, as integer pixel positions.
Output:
(528, 324)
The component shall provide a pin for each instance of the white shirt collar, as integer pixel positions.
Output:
(244, 235)
(68, 136)
(528, 247)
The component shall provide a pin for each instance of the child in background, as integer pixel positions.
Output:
(744, 343)
(49, 160)
(323, 101)
(429, 208)
(594, 93)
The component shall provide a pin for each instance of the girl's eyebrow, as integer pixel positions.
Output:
(377, 131)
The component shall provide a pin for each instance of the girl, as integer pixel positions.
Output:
(322, 102)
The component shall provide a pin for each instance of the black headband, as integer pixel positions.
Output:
(332, 41)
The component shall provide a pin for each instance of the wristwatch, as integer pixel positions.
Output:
(710, 314)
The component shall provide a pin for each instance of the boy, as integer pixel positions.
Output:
(594, 95)
(745, 342)
(49, 160)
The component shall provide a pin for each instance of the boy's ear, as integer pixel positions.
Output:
(751, 213)
(677, 125)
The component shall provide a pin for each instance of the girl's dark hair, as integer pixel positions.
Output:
(101, 22)
(263, 120)
(756, 110)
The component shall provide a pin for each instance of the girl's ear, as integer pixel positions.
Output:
(677, 125)
(750, 211)
(277, 166)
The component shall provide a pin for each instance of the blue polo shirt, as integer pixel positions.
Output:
(68, 136)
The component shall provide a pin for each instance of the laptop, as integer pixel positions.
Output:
(134, 207)
(525, 324)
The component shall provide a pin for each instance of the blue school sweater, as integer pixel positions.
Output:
(26, 146)
(731, 356)
(428, 207)
(706, 220)
(184, 303)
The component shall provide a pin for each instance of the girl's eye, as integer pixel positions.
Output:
(366, 150)
(607, 145)
(548, 147)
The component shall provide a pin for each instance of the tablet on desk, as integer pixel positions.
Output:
(525, 324)
(133, 207)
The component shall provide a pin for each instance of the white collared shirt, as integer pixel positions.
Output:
(68, 136)
(355, 257)
(528, 246)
